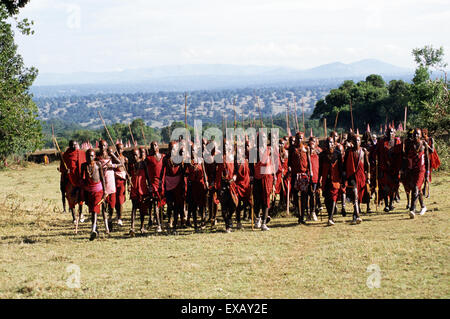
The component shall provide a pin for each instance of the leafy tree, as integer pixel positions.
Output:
(428, 57)
(20, 131)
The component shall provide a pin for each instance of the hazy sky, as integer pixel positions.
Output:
(107, 35)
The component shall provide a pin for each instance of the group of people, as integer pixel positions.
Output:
(345, 168)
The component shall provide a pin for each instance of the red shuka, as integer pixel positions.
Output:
(243, 181)
(197, 182)
(354, 166)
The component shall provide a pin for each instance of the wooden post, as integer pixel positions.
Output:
(325, 127)
(404, 123)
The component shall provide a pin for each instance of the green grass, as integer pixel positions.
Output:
(37, 243)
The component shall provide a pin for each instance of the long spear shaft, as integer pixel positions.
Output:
(185, 110)
(131, 133)
(296, 118)
(325, 127)
(335, 121)
(234, 106)
(404, 123)
(351, 114)
(143, 135)
(303, 116)
(60, 153)
(259, 110)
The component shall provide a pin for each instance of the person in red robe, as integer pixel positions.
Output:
(299, 164)
(212, 200)
(196, 189)
(331, 176)
(314, 179)
(120, 175)
(357, 167)
(172, 173)
(226, 187)
(282, 182)
(263, 184)
(139, 189)
(243, 187)
(94, 188)
(369, 144)
(73, 159)
(340, 144)
(389, 154)
(417, 156)
(433, 163)
(154, 163)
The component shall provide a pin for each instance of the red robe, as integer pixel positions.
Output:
(389, 164)
(139, 188)
(226, 171)
(197, 190)
(331, 176)
(314, 166)
(243, 188)
(73, 160)
(354, 167)
(154, 168)
(416, 167)
(171, 171)
(264, 170)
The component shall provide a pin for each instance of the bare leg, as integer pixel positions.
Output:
(94, 226)
(105, 218)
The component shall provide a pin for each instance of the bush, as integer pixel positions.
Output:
(443, 150)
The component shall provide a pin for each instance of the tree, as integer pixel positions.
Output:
(20, 131)
(428, 57)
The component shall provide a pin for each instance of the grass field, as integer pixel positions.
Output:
(37, 244)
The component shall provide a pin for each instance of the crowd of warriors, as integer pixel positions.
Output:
(347, 168)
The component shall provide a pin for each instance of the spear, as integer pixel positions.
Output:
(303, 116)
(287, 120)
(335, 121)
(234, 106)
(325, 126)
(404, 125)
(143, 135)
(296, 119)
(131, 133)
(259, 110)
(351, 114)
(185, 110)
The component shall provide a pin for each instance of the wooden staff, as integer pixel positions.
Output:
(287, 196)
(404, 122)
(325, 127)
(351, 114)
(60, 153)
(297, 127)
(132, 137)
(303, 116)
(53, 136)
(259, 110)
(288, 131)
(234, 107)
(143, 135)
(185, 110)
(336, 120)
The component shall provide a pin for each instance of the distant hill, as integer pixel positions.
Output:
(209, 76)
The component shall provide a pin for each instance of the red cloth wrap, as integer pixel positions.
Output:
(154, 168)
(298, 160)
(416, 167)
(120, 190)
(353, 169)
(243, 188)
(73, 160)
(197, 184)
(173, 170)
(331, 189)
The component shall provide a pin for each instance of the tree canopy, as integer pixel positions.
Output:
(20, 131)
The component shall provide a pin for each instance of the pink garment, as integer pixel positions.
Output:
(121, 174)
(97, 187)
(172, 182)
(110, 181)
